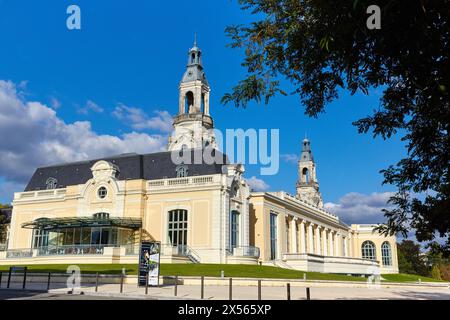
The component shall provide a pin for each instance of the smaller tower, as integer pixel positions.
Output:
(307, 184)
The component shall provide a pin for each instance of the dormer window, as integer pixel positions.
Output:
(182, 171)
(51, 183)
(101, 215)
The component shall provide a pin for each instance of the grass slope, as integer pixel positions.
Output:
(214, 270)
(402, 277)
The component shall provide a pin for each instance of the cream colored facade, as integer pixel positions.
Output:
(206, 199)
(292, 233)
(201, 213)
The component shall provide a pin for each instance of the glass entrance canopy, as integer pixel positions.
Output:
(79, 222)
(82, 234)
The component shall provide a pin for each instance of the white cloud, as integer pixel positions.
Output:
(90, 106)
(35, 136)
(361, 208)
(139, 120)
(290, 158)
(257, 184)
(7, 190)
(55, 103)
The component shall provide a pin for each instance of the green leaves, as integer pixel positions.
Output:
(252, 88)
(322, 46)
(325, 42)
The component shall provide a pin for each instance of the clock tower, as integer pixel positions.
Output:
(193, 125)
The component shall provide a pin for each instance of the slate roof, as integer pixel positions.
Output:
(131, 166)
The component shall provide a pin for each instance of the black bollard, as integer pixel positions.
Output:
(176, 286)
(231, 289)
(288, 288)
(202, 285)
(308, 295)
(259, 289)
(9, 278)
(48, 280)
(146, 283)
(121, 282)
(24, 278)
(96, 282)
(1, 275)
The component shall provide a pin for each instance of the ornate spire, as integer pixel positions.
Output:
(307, 184)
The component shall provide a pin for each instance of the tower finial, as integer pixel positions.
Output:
(195, 39)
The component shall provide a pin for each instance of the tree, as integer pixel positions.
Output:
(3, 224)
(410, 258)
(322, 47)
(404, 266)
(436, 272)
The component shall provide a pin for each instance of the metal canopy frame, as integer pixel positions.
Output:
(81, 222)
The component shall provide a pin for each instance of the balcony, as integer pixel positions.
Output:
(19, 253)
(71, 250)
(40, 195)
(243, 255)
(72, 254)
(245, 251)
(194, 181)
(207, 120)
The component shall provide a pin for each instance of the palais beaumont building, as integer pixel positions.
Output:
(98, 211)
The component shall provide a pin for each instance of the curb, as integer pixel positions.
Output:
(122, 295)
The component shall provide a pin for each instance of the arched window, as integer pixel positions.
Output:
(189, 101)
(193, 58)
(386, 254)
(178, 226)
(51, 183)
(368, 250)
(202, 103)
(234, 234)
(305, 172)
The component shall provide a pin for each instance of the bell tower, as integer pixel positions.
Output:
(193, 124)
(307, 184)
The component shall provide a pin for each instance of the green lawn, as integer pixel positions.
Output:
(214, 270)
(402, 277)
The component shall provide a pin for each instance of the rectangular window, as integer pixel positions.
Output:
(40, 238)
(234, 229)
(95, 235)
(273, 236)
(288, 240)
(177, 227)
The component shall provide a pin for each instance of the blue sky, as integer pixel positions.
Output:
(133, 54)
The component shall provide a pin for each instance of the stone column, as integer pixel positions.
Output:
(324, 242)
(310, 238)
(293, 235)
(345, 253)
(197, 99)
(206, 111)
(302, 237)
(318, 251)
(281, 235)
(350, 245)
(181, 103)
(330, 242)
(336, 244)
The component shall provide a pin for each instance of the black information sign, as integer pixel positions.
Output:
(149, 257)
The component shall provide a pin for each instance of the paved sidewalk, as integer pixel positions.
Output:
(251, 292)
